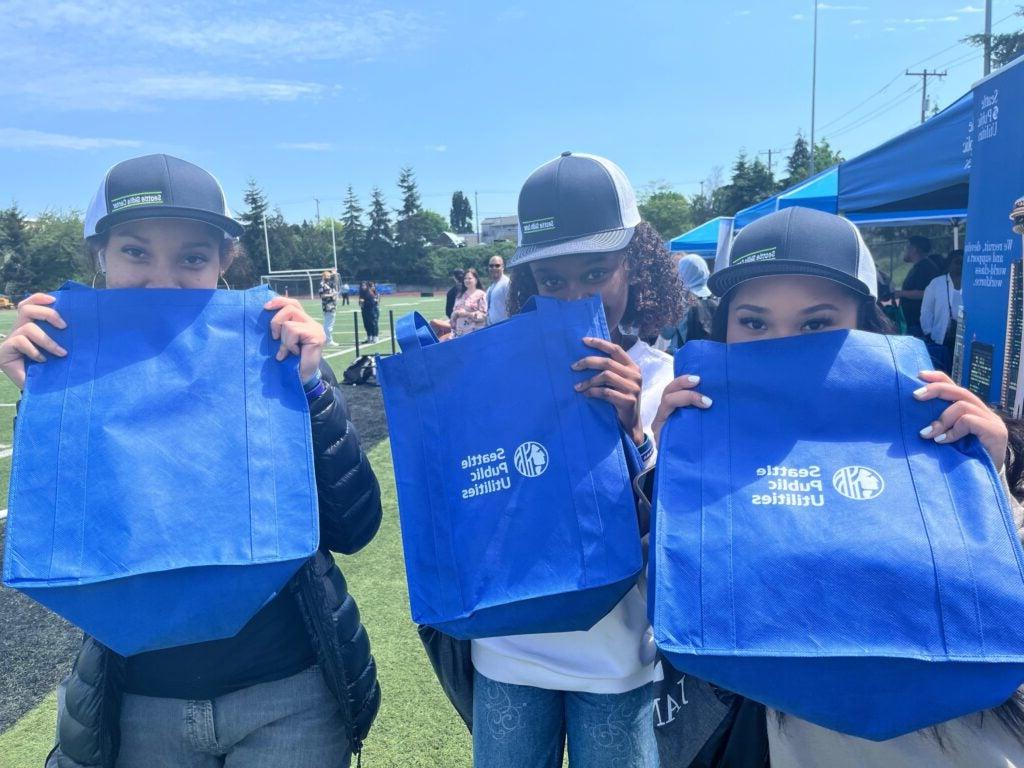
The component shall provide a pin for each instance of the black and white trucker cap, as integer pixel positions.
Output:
(799, 241)
(158, 187)
(574, 204)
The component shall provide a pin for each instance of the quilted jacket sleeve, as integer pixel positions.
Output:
(350, 511)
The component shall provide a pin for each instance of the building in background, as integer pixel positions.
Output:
(1014, 334)
(500, 229)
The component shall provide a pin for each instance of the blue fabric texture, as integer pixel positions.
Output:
(810, 551)
(162, 485)
(514, 491)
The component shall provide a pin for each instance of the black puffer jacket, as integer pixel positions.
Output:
(350, 514)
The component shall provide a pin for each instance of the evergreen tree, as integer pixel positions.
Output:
(40, 255)
(379, 243)
(751, 183)
(353, 233)
(798, 166)
(410, 193)
(461, 216)
(243, 271)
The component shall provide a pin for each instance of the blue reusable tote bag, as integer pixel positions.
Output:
(162, 486)
(514, 494)
(812, 552)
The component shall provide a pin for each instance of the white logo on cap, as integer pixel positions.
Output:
(531, 459)
(858, 483)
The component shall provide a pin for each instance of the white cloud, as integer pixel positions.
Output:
(438, 148)
(16, 138)
(316, 29)
(889, 29)
(829, 7)
(856, 22)
(929, 20)
(744, 12)
(970, 9)
(798, 17)
(132, 90)
(307, 146)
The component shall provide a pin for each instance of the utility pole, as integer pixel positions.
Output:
(266, 242)
(814, 81)
(988, 37)
(924, 87)
(334, 246)
(476, 214)
(317, 200)
(702, 189)
(769, 153)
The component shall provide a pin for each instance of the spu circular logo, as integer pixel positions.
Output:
(531, 459)
(858, 483)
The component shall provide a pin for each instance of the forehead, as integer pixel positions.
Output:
(782, 291)
(168, 229)
(575, 263)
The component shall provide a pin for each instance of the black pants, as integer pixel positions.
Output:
(371, 320)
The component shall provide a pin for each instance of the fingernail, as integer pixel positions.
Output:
(706, 400)
(693, 379)
(578, 387)
(921, 392)
(926, 431)
(941, 438)
(575, 366)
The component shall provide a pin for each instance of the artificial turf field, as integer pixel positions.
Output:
(416, 725)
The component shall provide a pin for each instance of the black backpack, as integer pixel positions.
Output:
(362, 371)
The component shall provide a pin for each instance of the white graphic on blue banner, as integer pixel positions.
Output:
(858, 483)
(531, 459)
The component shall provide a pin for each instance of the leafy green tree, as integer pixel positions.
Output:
(41, 254)
(419, 230)
(1005, 47)
(379, 244)
(666, 210)
(750, 183)
(798, 165)
(825, 157)
(461, 216)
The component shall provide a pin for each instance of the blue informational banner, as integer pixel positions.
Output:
(992, 288)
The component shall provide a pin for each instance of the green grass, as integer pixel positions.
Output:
(27, 743)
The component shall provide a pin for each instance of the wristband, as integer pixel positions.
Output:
(315, 386)
(646, 449)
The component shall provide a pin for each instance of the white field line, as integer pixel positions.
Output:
(6, 452)
(3, 514)
(8, 405)
(338, 352)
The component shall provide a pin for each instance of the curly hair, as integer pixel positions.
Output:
(655, 293)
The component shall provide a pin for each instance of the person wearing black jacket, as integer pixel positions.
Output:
(297, 685)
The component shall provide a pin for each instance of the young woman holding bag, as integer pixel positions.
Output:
(297, 685)
(809, 288)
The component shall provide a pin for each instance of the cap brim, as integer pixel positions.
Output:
(601, 242)
(723, 282)
(703, 292)
(227, 225)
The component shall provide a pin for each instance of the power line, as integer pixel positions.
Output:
(874, 113)
(924, 87)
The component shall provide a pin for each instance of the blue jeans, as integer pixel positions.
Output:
(329, 326)
(518, 726)
(294, 722)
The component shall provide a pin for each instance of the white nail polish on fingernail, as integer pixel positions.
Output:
(705, 399)
(941, 438)
(921, 392)
(693, 379)
(926, 431)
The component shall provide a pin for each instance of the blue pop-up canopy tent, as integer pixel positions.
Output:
(919, 175)
(819, 192)
(702, 240)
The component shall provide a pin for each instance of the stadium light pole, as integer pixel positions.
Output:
(266, 242)
(334, 246)
(814, 80)
(988, 37)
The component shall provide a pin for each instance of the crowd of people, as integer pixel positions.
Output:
(297, 686)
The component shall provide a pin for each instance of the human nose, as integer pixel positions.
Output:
(163, 278)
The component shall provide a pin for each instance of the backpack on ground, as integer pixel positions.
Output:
(362, 371)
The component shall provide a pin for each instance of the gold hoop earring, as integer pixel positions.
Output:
(223, 279)
(96, 276)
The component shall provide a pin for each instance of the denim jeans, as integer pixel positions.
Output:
(293, 722)
(329, 326)
(518, 726)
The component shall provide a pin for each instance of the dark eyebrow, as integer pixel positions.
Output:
(133, 234)
(819, 308)
(198, 244)
(754, 308)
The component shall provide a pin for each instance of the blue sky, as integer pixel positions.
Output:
(310, 97)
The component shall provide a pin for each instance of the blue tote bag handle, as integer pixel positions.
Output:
(414, 332)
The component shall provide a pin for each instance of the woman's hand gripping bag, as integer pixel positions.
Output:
(810, 551)
(162, 486)
(514, 494)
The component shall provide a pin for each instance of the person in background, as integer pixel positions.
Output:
(470, 312)
(497, 294)
(328, 303)
(345, 290)
(939, 312)
(453, 292)
(371, 312)
(699, 305)
(923, 271)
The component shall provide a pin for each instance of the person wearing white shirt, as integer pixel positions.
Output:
(497, 294)
(941, 304)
